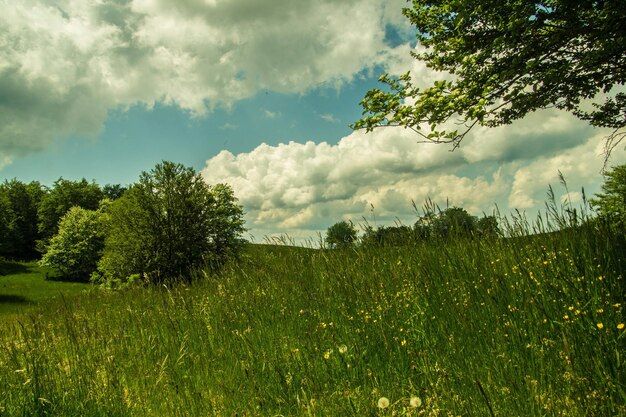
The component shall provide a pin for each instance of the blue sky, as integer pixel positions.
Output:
(136, 139)
(258, 94)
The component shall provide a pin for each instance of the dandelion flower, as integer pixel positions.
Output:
(415, 402)
(620, 326)
(600, 325)
(383, 402)
(327, 354)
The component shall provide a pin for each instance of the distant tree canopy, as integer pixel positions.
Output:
(167, 224)
(19, 203)
(341, 234)
(64, 195)
(113, 191)
(611, 202)
(388, 236)
(453, 222)
(507, 59)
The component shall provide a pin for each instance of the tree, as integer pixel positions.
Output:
(507, 59)
(77, 246)
(64, 195)
(21, 202)
(113, 191)
(389, 236)
(454, 222)
(168, 224)
(611, 203)
(341, 234)
(487, 226)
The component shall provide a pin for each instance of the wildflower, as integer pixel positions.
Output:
(383, 402)
(415, 402)
(327, 354)
(343, 349)
(620, 326)
(600, 325)
(566, 317)
(403, 343)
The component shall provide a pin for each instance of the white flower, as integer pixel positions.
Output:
(342, 349)
(415, 402)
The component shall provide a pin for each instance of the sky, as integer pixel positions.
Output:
(259, 94)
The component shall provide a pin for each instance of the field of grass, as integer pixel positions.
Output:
(530, 326)
(23, 286)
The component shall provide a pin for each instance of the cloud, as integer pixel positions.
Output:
(271, 114)
(329, 118)
(66, 64)
(302, 188)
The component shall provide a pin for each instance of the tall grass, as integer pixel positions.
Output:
(523, 326)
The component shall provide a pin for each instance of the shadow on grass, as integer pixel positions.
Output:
(13, 299)
(58, 277)
(11, 268)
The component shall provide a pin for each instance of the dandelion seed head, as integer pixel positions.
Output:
(383, 402)
(415, 402)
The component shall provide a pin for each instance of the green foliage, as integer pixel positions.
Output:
(18, 221)
(611, 203)
(487, 226)
(341, 234)
(388, 236)
(64, 195)
(168, 224)
(453, 222)
(77, 246)
(507, 59)
(113, 191)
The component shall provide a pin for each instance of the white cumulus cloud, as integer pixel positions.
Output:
(67, 63)
(302, 188)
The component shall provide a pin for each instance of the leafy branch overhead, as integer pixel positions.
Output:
(505, 60)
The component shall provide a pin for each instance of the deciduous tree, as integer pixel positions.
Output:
(506, 59)
(611, 202)
(21, 202)
(341, 234)
(169, 223)
(77, 246)
(64, 195)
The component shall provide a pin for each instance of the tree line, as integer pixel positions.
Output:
(455, 222)
(156, 230)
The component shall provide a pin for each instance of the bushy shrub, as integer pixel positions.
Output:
(78, 244)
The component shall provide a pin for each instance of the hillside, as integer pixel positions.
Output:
(473, 327)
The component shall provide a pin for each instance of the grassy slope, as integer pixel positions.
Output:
(523, 327)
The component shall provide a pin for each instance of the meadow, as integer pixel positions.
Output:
(531, 325)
